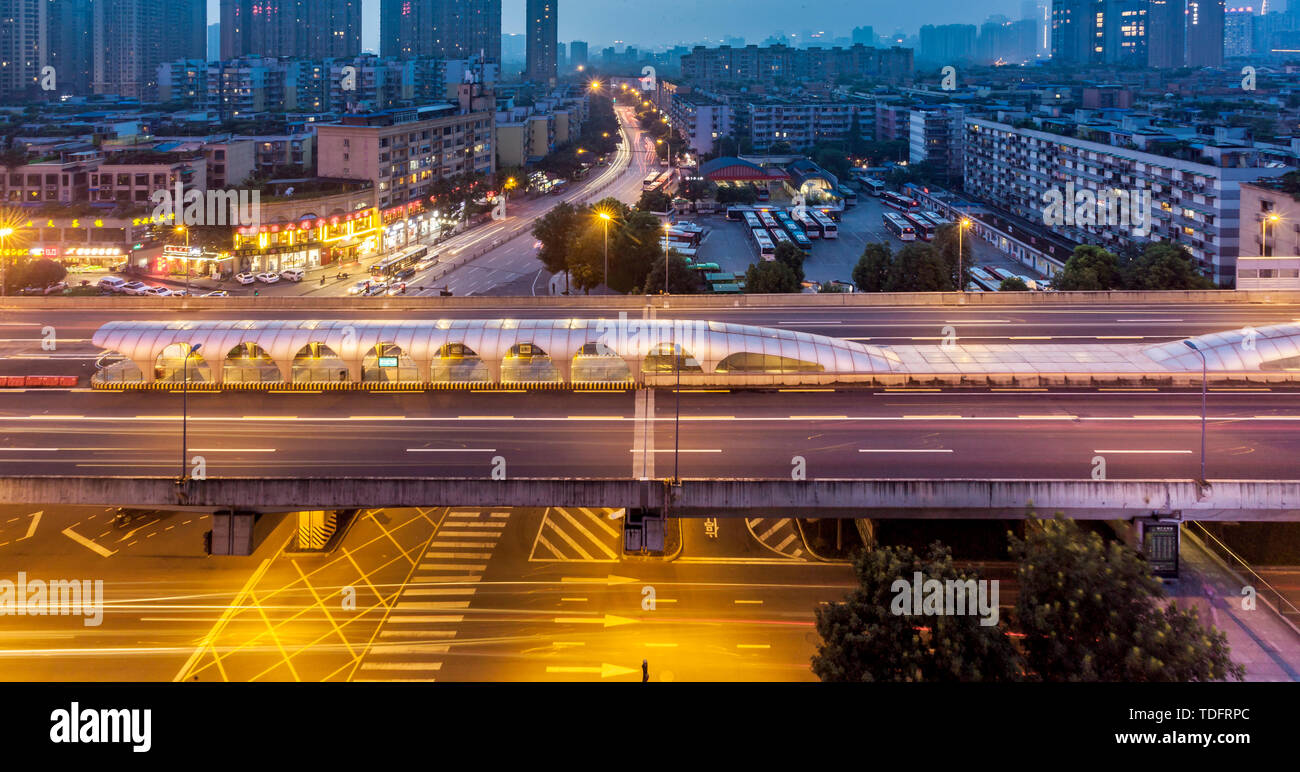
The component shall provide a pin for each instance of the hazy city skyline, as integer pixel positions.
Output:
(643, 24)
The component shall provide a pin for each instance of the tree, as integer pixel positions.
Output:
(654, 201)
(557, 230)
(793, 257)
(1013, 284)
(917, 267)
(634, 250)
(868, 637)
(770, 278)
(36, 273)
(1089, 269)
(682, 279)
(1164, 266)
(871, 274)
(1091, 611)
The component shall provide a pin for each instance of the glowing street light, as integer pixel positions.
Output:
(605, 216)
(5, 233)
(961, 231)
(1272, 217)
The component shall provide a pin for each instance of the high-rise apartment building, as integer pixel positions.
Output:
(22, 46)
(313, 29)
(70, 34)
(1205, 33)
(132, 37)
(543, 35)
(578, 53)
(443, 29)
(1166, 33)
(947, 43)
(1239, 31)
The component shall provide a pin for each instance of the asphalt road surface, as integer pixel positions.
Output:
(840, 434)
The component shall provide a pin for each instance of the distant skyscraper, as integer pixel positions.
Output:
(864, 35)
(1205, 33)
(578, 53)
(132, 37)
(214, 42)
(543, 35)
(70, 37)
(442, 29)
(22, 46)
(947, 43)
(1238, 32)
(1077, 37)
(1166, 33)
(314, 29)
(561, 56)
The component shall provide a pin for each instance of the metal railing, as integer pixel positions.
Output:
(1247, 576)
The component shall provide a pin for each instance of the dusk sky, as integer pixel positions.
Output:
(673, 21)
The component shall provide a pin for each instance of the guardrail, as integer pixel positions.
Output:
(684, 302)
(1243, 573)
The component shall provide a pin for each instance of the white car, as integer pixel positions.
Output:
(135, 288)
(293, 274)
(377, 289)
(268, 278)
(359, 288)
(112, 283)
(245, 278)
(216, 294)
(398, 288)
(157, 291)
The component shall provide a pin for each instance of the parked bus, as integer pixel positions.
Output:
(872, 185)
(682, 251)
(779, 236)
(828, 227)
(766, 219)
(800, 238)
(899, 226)
(899, 201)
(984, 279)
(752, 221)
(849, 195)
(654, 181)
(766, 249)
(924, 228)
(811, 227)
(936, 218)
(690, 237)
(400, 265)
(737, 213)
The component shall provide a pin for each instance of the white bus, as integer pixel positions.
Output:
(399, 266)
(779, 236)
(984, 279)
(828, 227)
(752, 221)
(812, 229)
(766, 249)
(766, 219)
(899, 226)
(936, 218)
(924, 228)
(872, 185)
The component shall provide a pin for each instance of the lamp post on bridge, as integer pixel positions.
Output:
(1204, 392)
(185, 403)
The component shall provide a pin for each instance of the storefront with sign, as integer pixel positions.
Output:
(414, 223)
(193, 261)
(309, 243)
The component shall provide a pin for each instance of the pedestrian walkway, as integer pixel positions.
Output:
(412, 643)
(1258, 638)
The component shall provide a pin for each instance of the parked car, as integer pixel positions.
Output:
(157, 291)
(112, 283)
(135, 288)
(216, 294)
(293, 274)
(376, 289)
(268, 278)
(245, 278)
(180, 293)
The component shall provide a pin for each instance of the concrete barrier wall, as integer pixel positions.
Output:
(1122, 499)
(323, 306)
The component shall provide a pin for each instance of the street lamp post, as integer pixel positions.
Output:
(185, 403)
(5, 233)
(961, 254)
(667, 227)
(606, 218)
(186, 231)
(1263, 233)
(1204, 392)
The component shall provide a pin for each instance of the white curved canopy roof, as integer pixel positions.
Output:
(707, 342)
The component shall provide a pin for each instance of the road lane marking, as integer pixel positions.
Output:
(87, 543)
(1135, 452)
(682, 450)
(31, 529)
(901, 450)
(451, 450)
(453, 567)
